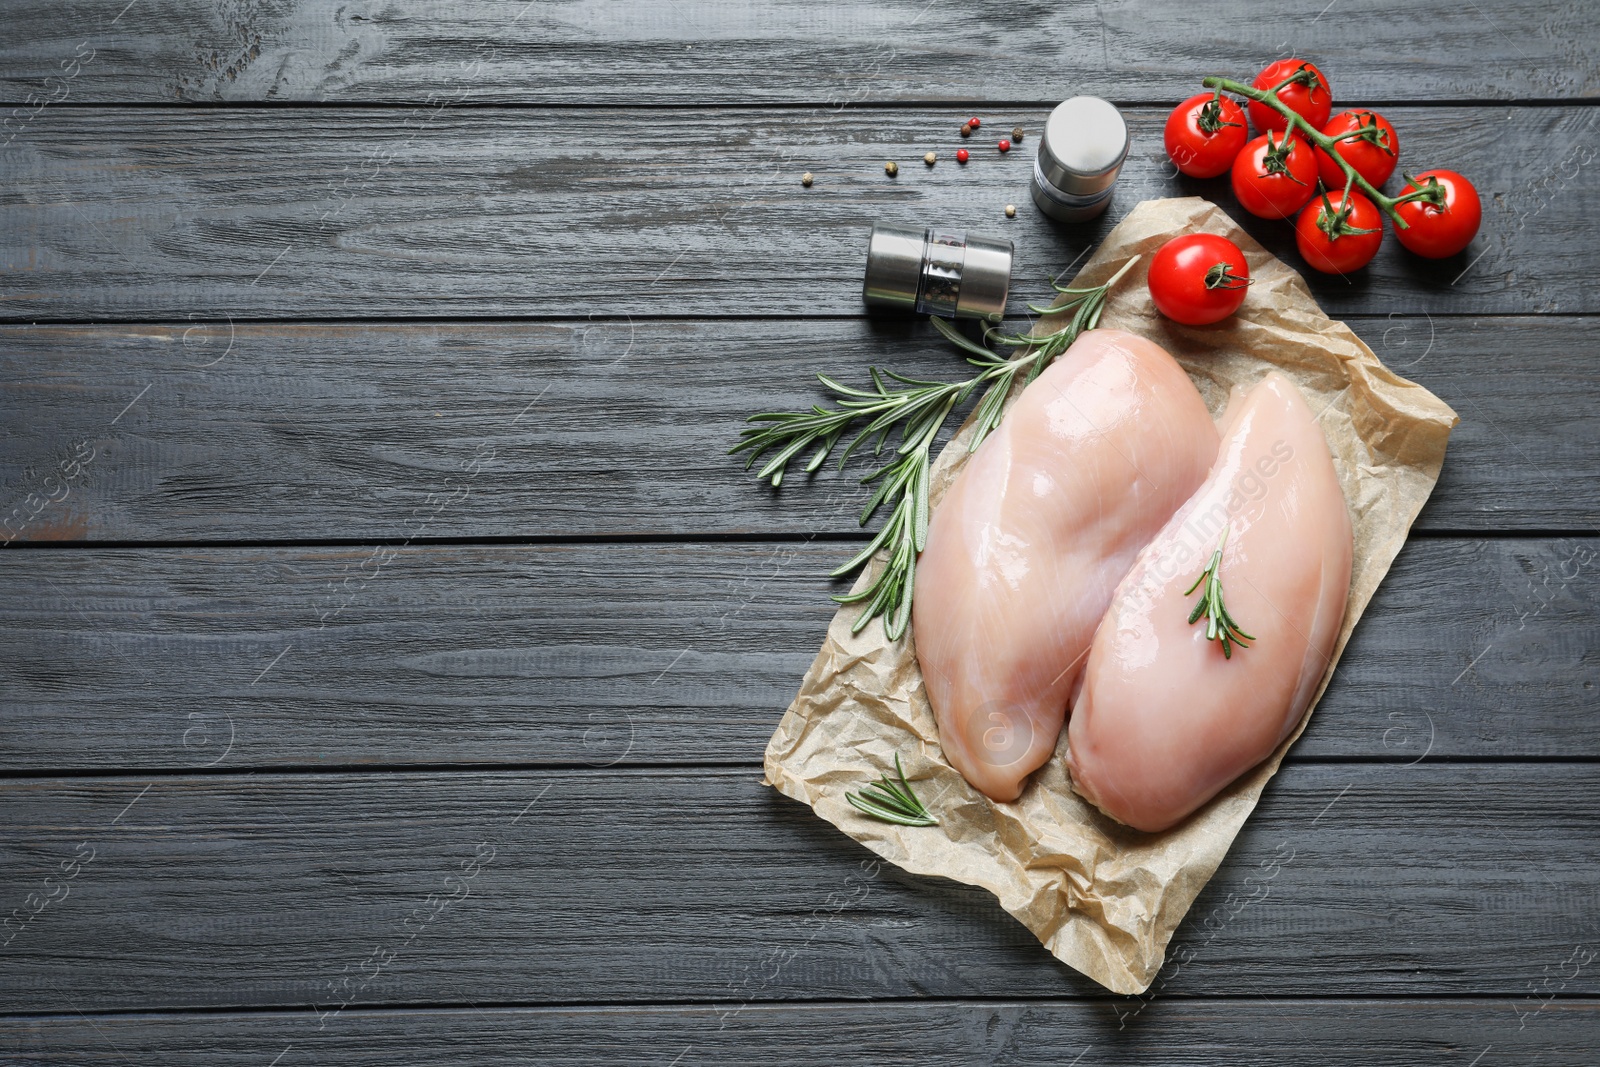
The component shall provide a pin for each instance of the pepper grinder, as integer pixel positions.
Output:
(1079, 157)
(933, 271)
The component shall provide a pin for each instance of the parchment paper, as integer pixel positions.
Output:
(1102, 897)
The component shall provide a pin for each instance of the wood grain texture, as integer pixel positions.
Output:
(609, 426)
(285, 757)
(604, 886)
(1182, 1032)
(693, 51)
(164, 214)
(661, 654)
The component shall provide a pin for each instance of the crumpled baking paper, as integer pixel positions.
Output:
(1102, 897)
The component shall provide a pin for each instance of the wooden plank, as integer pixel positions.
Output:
(216, 214)
(695, 51)
(661, 654)
(604, 886)
(1187, 1032)
(363, 431)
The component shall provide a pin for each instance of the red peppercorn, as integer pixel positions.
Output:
(961, 155)
(1004, 145)
(974, 122)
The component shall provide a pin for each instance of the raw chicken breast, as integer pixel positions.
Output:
(1032, 538)
(1164, 722)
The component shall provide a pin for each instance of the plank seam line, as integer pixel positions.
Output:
(928, 103)
(663, 769)
(24, 322)
(639, 539)
(1591, 1001)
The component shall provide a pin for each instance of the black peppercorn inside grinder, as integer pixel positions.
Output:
(948, 273)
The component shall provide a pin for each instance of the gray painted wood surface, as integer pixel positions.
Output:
(592, 655)
(589, 607)
(121, 214)
(840, 54)
(1175, 1032)
(538, 430)
(699, 884)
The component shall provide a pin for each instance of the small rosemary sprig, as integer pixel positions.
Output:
(1219, 624)
(919, 408)
(892, 803)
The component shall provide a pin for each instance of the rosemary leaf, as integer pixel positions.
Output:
(959, 339)
(1220, 626)
(891, 802)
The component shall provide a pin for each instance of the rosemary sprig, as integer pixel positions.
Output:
(890, 802)
(792, 432)
(919, 408)
(1219, 624)
(905, 480)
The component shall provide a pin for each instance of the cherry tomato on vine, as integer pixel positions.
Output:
(1437, 231)
(1274, 176)
(1366, 141)
(1204, 133)
(1198, 278)
(1336, 239)
(1311, 100)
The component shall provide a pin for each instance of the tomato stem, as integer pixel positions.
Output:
(1276, 158)
(1368, 131)
(1335, 222)
(1220, 276)
(1210, 118)
(1428, 190)
(1432, 193)
(1303, 75)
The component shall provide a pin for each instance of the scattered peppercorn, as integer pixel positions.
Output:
(805, 179)
(1011, 211)
(1016, 133)
(931, 158)
(1004, 145)
(891, 168)
(966, 130)
(961, 155)
(974, 122)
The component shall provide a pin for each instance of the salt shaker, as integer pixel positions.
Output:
(934, 271)
(1079, 157)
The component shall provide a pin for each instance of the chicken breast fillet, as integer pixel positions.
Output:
(1033, 536)
(1164, 721)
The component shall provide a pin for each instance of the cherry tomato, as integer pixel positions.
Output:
(1311, 102)
(1274, 176)
(1440, 231)
(1335, 241)
(1204, 133)
(1198, 278)
(1373, 154)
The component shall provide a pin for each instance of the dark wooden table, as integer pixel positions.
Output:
(389, 645)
